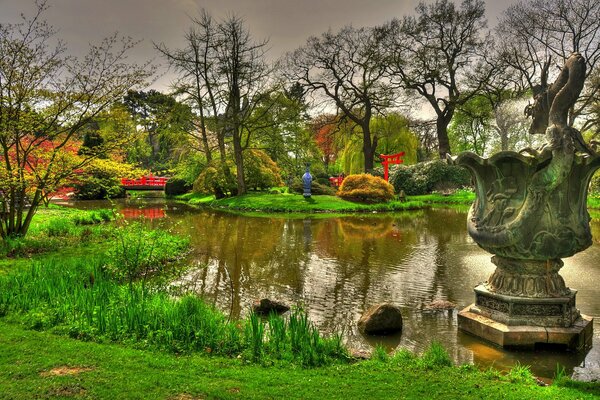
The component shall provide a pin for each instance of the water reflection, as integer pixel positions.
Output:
(338, 267)
(149, 213)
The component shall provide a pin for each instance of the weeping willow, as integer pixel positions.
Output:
(393, 135)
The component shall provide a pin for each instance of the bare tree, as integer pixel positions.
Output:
(437, 54)
(223, 72)
(346, 68)
(46, 98)
(535, 34)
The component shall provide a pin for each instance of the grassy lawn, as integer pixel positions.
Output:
(41, 365)
(262, 202)
(295, 203)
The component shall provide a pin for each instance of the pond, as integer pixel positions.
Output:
(337, 267)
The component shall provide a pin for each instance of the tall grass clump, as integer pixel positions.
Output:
(138, 252)
(435, 357)
(520, 374)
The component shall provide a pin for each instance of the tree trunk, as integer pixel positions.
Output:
(204, 135)
(442, 135)
(239, 162)
(369, 148)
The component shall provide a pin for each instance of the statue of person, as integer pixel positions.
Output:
(307, 181)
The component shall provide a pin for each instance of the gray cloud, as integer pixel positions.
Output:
(286, 23)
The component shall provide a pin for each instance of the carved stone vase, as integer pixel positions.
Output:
(530, 212)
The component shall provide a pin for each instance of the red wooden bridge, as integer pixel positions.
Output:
(144, 183)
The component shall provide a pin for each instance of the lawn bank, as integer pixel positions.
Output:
(262, 202)
(42, 365)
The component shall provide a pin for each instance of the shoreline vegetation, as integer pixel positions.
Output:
(264, 202)
(110, 326)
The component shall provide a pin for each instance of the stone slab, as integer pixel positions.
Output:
(576, 337)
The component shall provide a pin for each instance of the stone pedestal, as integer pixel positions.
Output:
(577, 337)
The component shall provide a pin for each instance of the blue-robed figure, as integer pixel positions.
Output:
(307, 181)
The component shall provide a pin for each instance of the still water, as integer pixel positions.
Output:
(337, 267)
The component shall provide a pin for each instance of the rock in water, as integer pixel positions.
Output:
(381, 319)
(267, 306)
(440, 305)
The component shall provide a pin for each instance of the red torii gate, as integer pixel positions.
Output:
(386, 160)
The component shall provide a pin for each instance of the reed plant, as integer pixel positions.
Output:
(84, 300)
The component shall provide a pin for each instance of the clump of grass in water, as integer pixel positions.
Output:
(520, 374)
(138, 252)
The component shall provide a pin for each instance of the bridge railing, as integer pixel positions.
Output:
(144, 181)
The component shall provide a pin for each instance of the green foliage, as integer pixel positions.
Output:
(470, 129)
(366, 188)
(316, 188)
(260, 171)
(429, 176)
(177, 186)
(102, 179)
(395, 136)
(138, 251)
(93, 217)
(190, 166)
(380, 354)
(82, 299)
(164, 121)
(520, 374)
(213, 180)
(57, 227)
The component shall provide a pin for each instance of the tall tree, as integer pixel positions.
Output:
(46, 98)
(347, 69)
(164, 121)
(223, 71)
(535, 34)
(437, 54)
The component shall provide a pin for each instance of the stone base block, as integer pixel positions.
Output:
(576, 337)
(531, 311)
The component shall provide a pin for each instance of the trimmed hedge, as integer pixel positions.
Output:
(426, 177)
(366, 188)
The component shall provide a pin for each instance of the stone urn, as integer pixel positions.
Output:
(530, 211)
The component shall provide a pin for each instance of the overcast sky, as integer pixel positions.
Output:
(286, 23)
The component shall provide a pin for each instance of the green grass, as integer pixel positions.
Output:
(263, 203)
(86, 299)
(54, 229)
(27, 359)
(295, 203)
(196, 198)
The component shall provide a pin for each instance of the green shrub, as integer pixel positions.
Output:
(212, 180)
(177, 186)
(366, 188)
(315, 188)
(102, 179)
(428, 176)
(260, 171)
(520, 374)
(92, 217)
